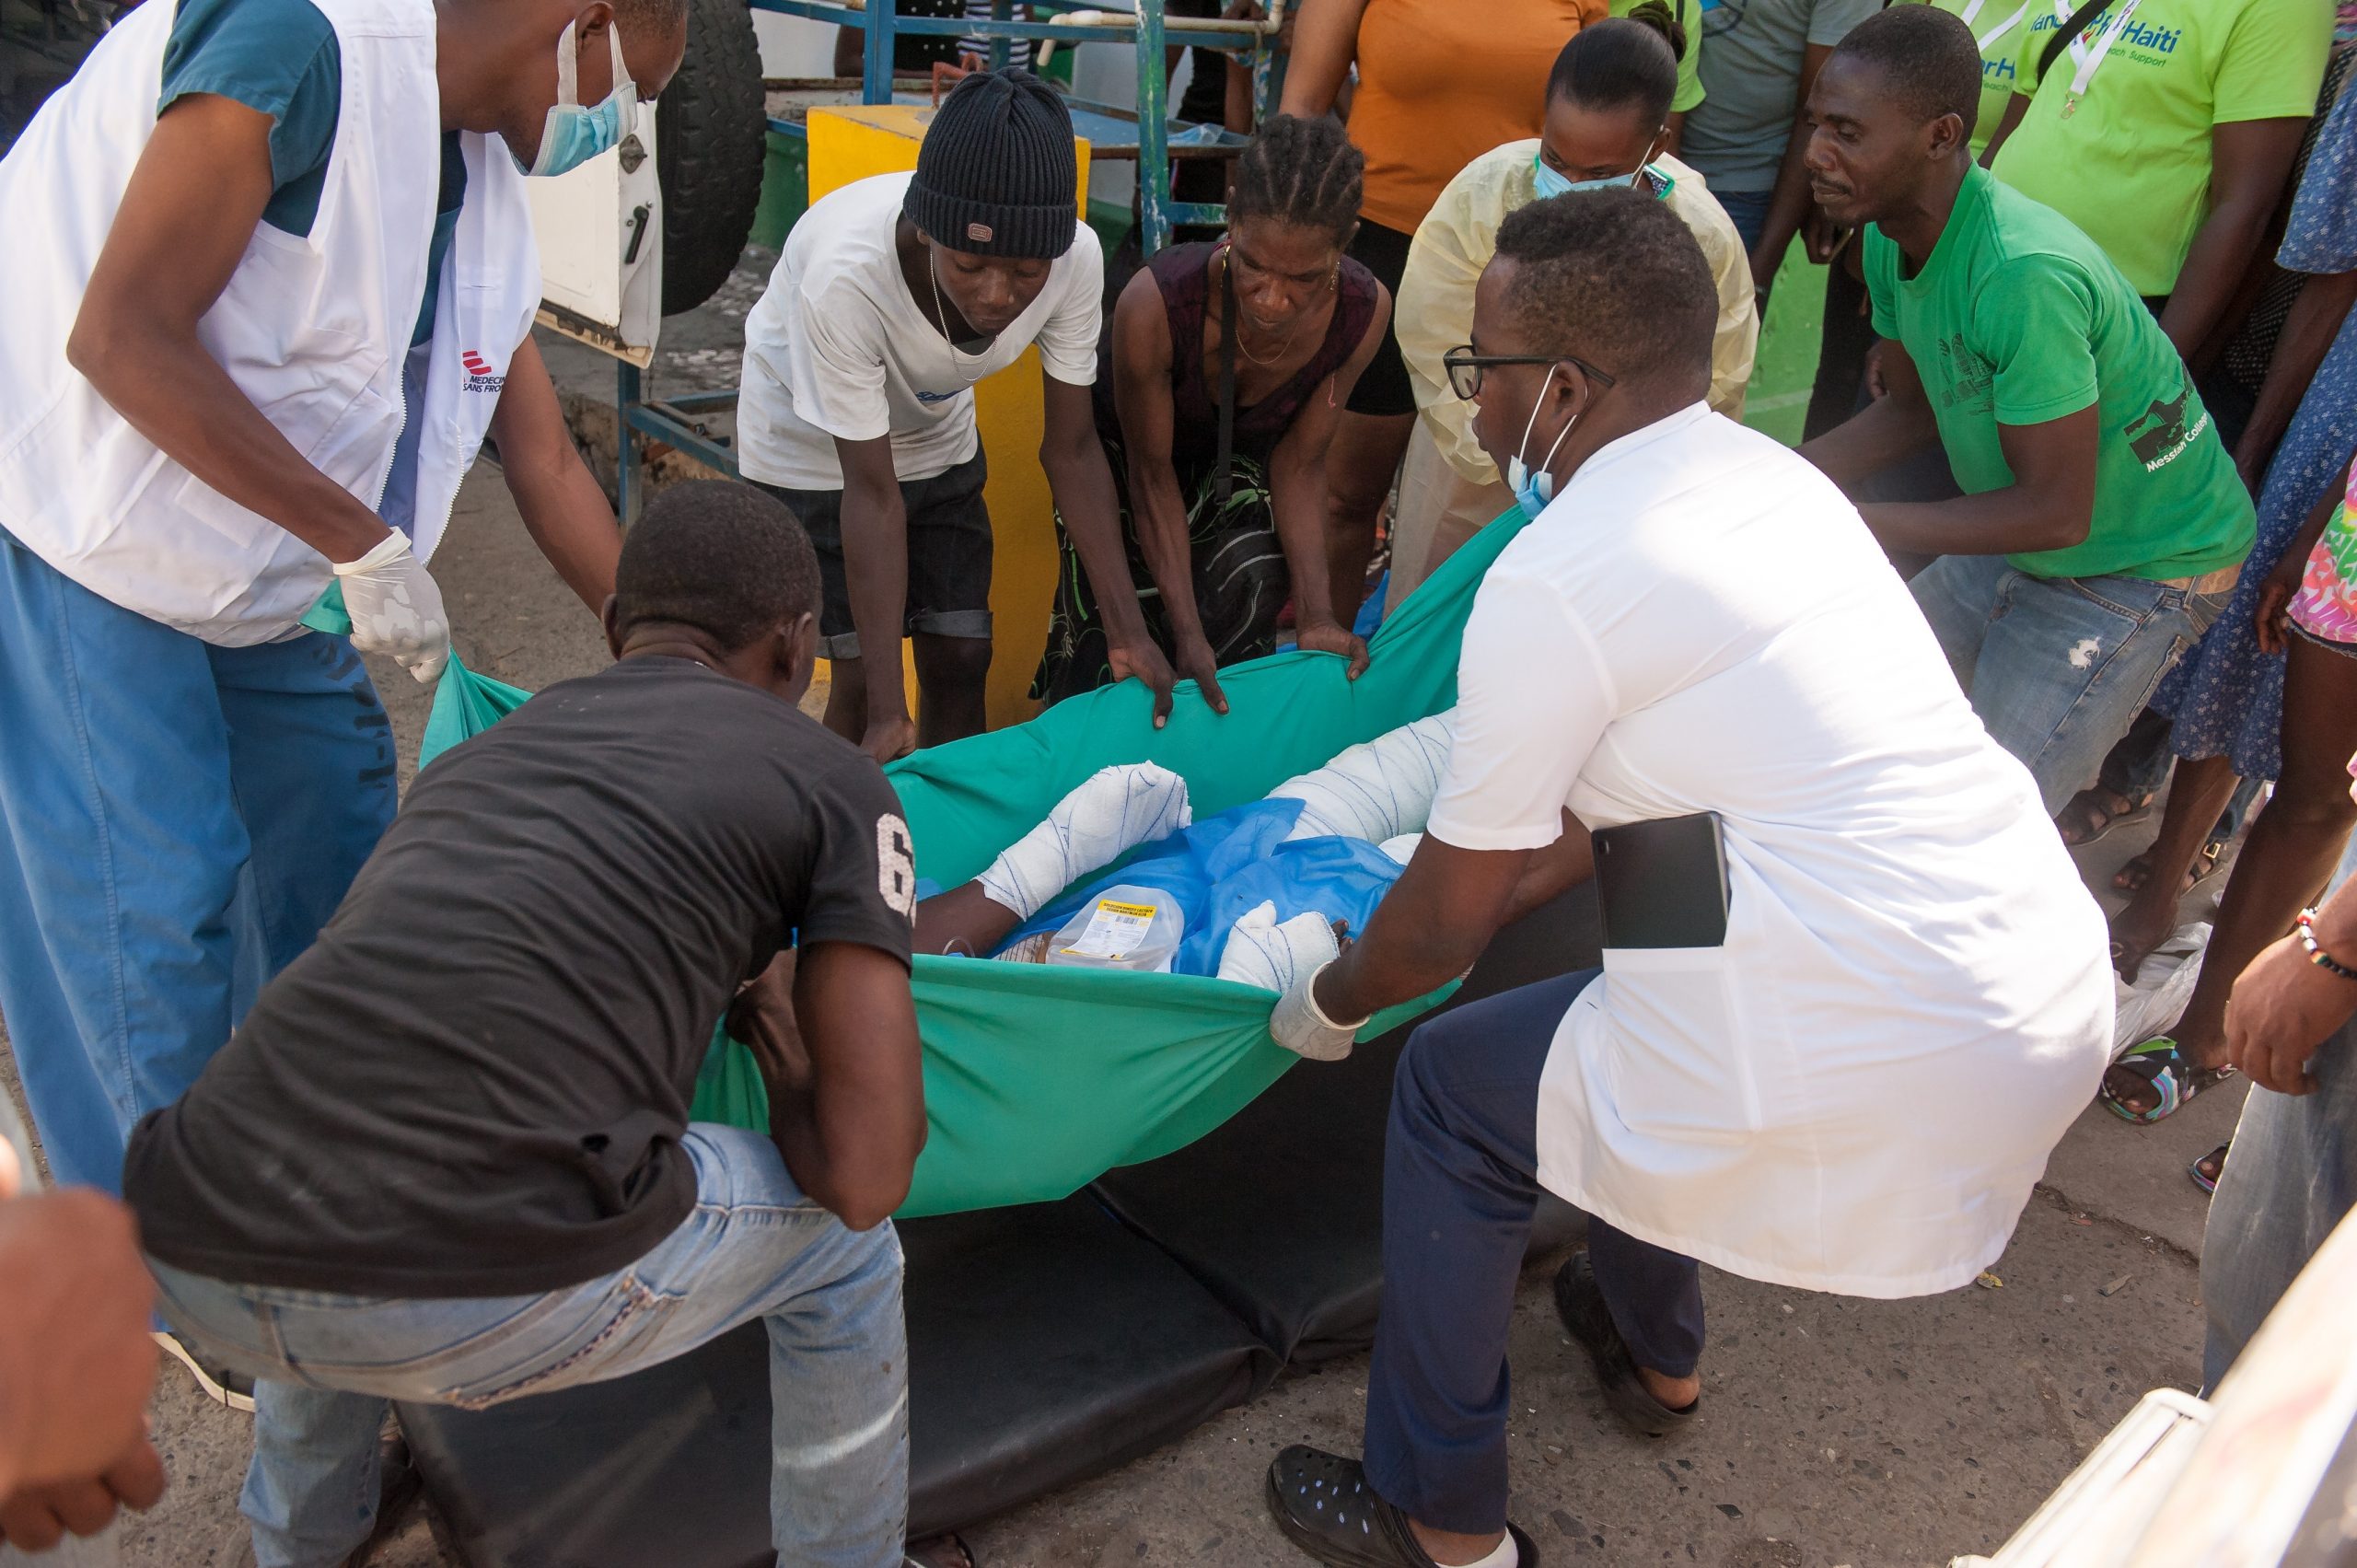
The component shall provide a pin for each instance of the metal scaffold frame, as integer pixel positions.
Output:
(677, 421)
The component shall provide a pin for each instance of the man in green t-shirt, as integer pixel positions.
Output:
(2101, 521)
(2165, 130)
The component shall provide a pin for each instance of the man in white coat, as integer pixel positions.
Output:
(271, 281)
(1854, 1090)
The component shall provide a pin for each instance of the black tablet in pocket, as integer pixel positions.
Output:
(1663, 883)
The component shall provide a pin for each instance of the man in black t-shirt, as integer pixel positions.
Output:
(447, 1157)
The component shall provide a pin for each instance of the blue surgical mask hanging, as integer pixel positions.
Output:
(1533, 491)
(1549, 181)
(574, 135)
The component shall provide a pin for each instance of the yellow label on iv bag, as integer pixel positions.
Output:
(1115, 930)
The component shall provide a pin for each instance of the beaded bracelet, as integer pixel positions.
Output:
(2316, 955)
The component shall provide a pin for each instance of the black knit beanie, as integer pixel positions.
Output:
(996, 175)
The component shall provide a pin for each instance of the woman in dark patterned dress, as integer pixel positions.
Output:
(1224, 548)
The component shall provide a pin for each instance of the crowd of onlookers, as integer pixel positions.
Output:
(2095, 396)
(2087, 371)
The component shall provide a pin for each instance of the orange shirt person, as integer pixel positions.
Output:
(1440, 82)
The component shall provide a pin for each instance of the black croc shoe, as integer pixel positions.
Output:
(1585, 1317)
(1324, 1505)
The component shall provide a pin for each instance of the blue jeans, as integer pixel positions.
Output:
(1749, 212)
(177, 821)
(2057, 667)
(2291, 1179)
(1459, 1183)
(754, 1247)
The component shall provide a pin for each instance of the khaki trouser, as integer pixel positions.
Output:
(1438, 510)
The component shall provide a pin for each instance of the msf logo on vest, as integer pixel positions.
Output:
(481, 376)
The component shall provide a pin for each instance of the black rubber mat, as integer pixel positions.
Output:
(1279, 1212)
(1053, 1349)
(1046, 1345)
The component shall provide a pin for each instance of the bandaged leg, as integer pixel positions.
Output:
(1378, 789)
(1116, 810)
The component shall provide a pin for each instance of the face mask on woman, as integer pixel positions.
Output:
(1553, 181)
(573, 134)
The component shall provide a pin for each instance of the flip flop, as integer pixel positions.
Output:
(2083, 810)
(1324, 1505)
(2203, 1180)
(1580, 1304)
(2164, 1067)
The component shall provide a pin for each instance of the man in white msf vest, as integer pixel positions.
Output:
(272, 282)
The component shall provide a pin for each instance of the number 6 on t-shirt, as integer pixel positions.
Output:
(896, 865)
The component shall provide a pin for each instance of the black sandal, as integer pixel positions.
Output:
(1580, 1304)
(2131, 877)
(1324, 1505)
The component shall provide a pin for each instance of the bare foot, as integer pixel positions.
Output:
(1446, 1547)
(2139, 929)
(1674, 1392)
(2132, 1092)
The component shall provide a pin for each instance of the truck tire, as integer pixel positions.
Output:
(711, 143)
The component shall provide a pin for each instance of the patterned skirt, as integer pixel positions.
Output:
(1241, 581)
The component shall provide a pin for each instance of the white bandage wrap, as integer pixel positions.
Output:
(1116, 810)
(1262, 952)
(1378, 789)
(1286, 958)
(1403, 848)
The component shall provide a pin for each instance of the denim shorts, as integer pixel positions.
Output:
(950, 557)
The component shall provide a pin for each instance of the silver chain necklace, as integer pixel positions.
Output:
(941, 319)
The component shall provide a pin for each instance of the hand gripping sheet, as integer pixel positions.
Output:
(1038, 1079)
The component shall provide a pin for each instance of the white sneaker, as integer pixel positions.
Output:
(222, 1385)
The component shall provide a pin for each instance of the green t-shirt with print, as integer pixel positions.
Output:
(2131, 163)
(1689, 63)
(1997, 27)
(2018, 318)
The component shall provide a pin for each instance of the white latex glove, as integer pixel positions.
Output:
(1112, 812)
(1376, 790)
(1286, 958)
(396, 608)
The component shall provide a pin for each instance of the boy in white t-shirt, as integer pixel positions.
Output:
(894, 297)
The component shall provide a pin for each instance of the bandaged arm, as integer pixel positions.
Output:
(1376, 790)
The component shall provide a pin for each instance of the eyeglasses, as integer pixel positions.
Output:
(1465, 367)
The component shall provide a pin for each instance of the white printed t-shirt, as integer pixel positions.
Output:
(1858, 1090)
(838, 348)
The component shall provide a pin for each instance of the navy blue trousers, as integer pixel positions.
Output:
(1459, 1183)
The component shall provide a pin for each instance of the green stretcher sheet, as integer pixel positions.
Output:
(1038, 1079)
